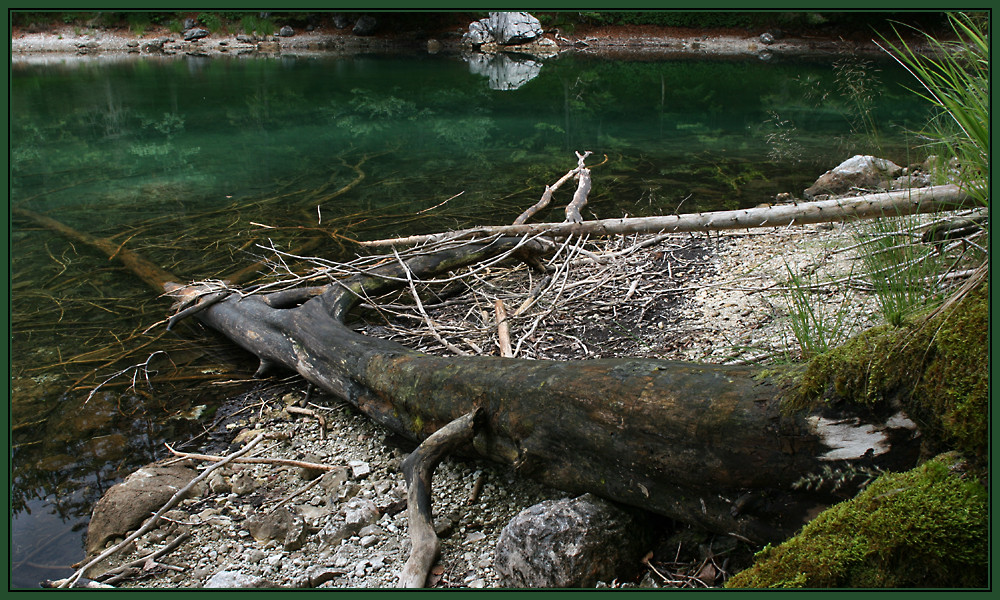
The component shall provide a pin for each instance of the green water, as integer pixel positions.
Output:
(195, 163)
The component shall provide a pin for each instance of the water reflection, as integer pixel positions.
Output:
(504, 71)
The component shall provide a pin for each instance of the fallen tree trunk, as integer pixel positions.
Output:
(704, 444)
(885, 204)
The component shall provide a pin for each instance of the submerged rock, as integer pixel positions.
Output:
(570, 543)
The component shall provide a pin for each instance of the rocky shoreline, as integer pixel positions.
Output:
(611, 41)
(345, 525)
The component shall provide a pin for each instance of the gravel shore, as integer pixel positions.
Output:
(732, 311)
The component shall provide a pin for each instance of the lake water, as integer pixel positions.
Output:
(197, 162)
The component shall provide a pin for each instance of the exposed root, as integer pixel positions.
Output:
(418, 468)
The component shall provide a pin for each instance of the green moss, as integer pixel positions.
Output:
(924, 528)
(937, 366)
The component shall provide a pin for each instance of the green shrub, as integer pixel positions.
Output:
(956, 80)
(252, 23)
(211, 21)
(138, 22)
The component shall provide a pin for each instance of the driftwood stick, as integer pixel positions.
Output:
(255, 461)
(885, 204)
(503, 328)
(549, 189)
(418, 468)
(152, 521)
(310, 413)
(177, 541)
(573, 214)
(420, 307)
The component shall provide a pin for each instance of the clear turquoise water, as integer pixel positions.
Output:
(183, 160)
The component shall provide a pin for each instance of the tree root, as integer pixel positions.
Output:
(418, 468)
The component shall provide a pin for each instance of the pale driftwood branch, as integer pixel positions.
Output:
(884, 204)
(573, 210)
(420, 306)
(573, 214)
(503, 329)
(549, 189)
(418, 468)
(254, 461)
(152, 521)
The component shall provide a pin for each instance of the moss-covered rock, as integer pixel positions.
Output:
(927, 527)
(937, 367)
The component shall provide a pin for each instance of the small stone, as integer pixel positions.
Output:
(359, 468)
(474, 537)
(368, 541)
(243, 483)
(318, 575)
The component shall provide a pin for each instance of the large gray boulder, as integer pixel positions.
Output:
(864, 172)
(195, 34)
(504, 28)
(479, 33)
(571, 544)
(510, 28)
(126, 505)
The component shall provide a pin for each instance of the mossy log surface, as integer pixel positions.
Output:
(927, 527)
(704, 444)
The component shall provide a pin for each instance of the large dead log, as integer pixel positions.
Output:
(704, 444)
(709, 445)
